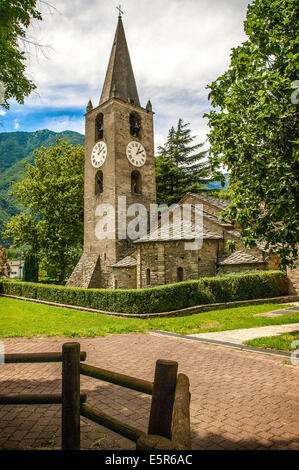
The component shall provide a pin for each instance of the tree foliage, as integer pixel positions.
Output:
(180, 166)
(254, 128)
(52, 190)
(15, 148)
(4, 263)
(15, 18)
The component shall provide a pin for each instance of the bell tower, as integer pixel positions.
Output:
(119, 162)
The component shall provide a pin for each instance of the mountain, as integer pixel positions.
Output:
(17, 148)
(217, 185)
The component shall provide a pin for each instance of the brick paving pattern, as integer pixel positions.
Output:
(240, 400)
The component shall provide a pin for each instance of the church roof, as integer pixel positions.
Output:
(260, 245)
(240, 257)
(210, 216)
(175, 234)
(214, 201)
(126, 262)
(120, 82)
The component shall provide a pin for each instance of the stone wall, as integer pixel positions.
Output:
(125, 278)
(164, 258)
(87, 273)
(293, 275)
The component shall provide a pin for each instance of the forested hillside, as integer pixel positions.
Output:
(17, 148)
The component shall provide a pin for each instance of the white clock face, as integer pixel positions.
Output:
(136, 153)
(98, 154)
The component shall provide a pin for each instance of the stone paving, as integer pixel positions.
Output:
(240, 399)
(277, 313)
(245, 334)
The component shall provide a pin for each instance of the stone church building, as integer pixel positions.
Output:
(120, 162)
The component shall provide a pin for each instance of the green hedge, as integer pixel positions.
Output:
(226, 288)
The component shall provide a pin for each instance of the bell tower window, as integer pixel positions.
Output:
(99, 127)
(99, 182)
(135, 125)
(135, 182)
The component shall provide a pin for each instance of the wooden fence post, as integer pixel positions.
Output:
(70, 439)
(181, 437)
(163, 398)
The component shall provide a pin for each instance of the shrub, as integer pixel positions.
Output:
(227, 288)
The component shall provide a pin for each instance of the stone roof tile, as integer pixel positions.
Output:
(176, 235)
(214, 201)
(240, 257)
(126, 262)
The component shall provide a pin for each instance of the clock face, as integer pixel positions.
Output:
(98, 154)
(136, 153)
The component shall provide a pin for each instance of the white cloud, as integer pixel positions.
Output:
(176, 49)
(64, 123)
(2, 112)
(16, 124)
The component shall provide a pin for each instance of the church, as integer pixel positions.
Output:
(120, 166)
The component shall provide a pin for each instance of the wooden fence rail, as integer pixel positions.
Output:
(118, 379)
(111, 423)
(37, 357)
(36, 399)
(169, 420)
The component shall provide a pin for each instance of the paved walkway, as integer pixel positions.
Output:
(244, 334)
(240, 399)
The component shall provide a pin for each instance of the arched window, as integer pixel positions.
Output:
(180, 274)
(135, 182)
(99, 182)
(135, 124)
(99, 127)
(148, 277)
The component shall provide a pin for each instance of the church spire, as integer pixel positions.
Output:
(120, 81)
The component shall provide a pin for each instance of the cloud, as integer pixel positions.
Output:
(65, 123)
(16, 124)
(2, 112)
(176, 49)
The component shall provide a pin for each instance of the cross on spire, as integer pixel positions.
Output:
(120, 12)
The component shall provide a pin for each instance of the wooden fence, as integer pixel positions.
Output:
(169, 420)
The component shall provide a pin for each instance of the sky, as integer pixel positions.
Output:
(177, 48)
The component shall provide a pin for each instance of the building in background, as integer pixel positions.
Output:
(16, 269)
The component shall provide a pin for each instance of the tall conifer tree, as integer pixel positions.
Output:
(181, 165)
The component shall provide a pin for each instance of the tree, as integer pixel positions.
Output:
(254, 128)
(4, 263)
(180, 167)
(15, 18)
(222, 193)
(30, 270)
(52, 190)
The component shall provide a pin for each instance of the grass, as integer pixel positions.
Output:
(20, 318)
(282, 342)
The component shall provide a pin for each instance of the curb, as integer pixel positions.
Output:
(242, 347)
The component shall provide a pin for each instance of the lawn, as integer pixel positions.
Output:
(282, 342)
(21, 318)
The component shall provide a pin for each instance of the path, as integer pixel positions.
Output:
(240, 399)
(245, 334)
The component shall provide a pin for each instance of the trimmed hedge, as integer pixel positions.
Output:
(228, 288)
